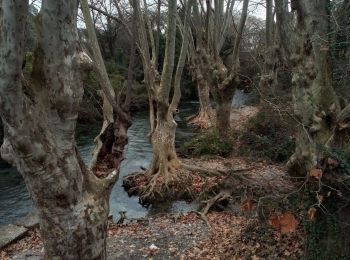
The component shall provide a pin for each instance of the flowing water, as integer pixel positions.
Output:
(14, 198)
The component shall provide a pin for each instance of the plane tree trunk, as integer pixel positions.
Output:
(110, 142)
(203, 118)
(162, 170)
(204, 113)
(316, 104)
(222, 77)
(269, 73)
(39, 115)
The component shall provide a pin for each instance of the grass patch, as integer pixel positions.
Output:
(207, 143)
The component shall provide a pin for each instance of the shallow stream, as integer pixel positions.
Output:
(14, 198)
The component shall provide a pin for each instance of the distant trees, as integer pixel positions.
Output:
(219, 71)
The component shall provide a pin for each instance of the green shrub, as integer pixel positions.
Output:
(268, 135)
(207, 143)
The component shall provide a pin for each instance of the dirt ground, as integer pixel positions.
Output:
(235, 233)
(184, 236)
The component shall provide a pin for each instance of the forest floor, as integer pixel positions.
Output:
(244, 229)
(184, 236)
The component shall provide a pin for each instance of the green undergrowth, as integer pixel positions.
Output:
(268, 135)
(327, 234)
(207, 143)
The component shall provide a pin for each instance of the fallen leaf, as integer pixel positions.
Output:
(317, 173)
(274, 221)
(246, 205)
(311, 213)
(153, 247)
(285, 223)
(288, 223)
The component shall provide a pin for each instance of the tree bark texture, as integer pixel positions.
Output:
(222, 77)
(39, 117)
(315, 102)
(162, 107)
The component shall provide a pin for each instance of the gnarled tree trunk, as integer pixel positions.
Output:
(113, 137)
(315, 102)
(163, 144)
(268, 79)
(39, 117)
(162, 108)
(202, 118)
(222, 77)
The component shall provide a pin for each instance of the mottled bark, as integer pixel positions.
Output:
(39, 117)
(203, 118)
(110, 142)
(222, 77)
(162, 108)
(315, 102)
(198, 71)
(268, 79)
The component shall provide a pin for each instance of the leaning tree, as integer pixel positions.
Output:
(39, 115)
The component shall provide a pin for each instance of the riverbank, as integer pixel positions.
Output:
(248, 223)
(184, 236)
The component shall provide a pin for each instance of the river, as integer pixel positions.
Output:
(14, 198)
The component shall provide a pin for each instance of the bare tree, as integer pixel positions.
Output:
(211, 24)
(203, 117)
(39, 115)
(162, 106)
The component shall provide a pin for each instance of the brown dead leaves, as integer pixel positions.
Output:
(284, 222)
(316, 173)
(311, 213)
(246, 205)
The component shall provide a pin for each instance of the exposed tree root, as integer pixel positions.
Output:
(201, 119)
(238, 186)
(153, 187)
(222, 196)
(182, 181)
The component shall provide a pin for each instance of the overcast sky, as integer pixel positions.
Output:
(256, 8)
